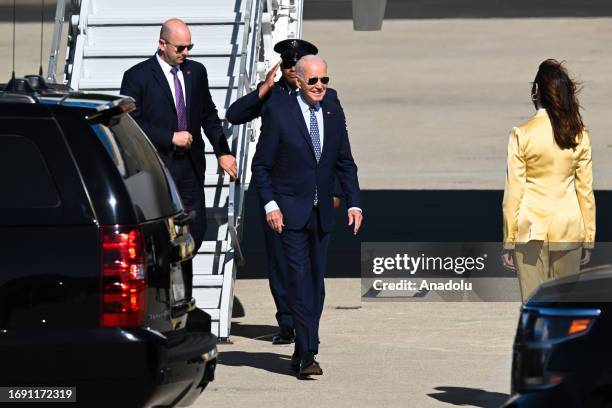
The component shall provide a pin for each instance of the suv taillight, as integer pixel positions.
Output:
(123, 276)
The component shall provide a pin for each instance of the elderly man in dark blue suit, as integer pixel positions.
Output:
(173, 103)
(248, 108)
(303, 143)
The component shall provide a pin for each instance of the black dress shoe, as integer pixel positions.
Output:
(285, 335)
(295, 363)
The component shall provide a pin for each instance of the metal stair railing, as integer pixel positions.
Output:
(56, 40)
(241, 133)
(239, 139)
(247, 133)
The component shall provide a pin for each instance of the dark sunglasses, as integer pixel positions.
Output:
(287, 64)
(180, 48)
(314, 80)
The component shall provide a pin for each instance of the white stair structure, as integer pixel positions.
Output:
(234, 40)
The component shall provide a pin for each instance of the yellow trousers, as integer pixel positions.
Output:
(536, 264)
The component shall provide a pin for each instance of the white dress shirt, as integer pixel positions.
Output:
(166, 69)
(318, 114)
(305, 108)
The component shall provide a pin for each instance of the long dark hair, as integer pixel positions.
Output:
(557, 94)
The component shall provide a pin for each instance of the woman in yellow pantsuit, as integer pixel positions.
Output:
(549, 206)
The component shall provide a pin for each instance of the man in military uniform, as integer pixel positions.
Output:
(249, 106)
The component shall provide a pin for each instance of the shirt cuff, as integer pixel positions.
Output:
(271, 206)
(355, 208)
(509, 246)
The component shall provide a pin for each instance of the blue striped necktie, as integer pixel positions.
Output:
(316, 143)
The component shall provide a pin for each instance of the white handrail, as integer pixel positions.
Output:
(239, 133)
(57, 37)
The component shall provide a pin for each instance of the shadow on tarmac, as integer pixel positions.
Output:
(272, 362)
(404, 216)
(262, 332)
(469, 396)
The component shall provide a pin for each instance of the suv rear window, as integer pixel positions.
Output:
(39, 181)
(26, 181)
(137, 162)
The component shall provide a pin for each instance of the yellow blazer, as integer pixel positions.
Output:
(549, 191)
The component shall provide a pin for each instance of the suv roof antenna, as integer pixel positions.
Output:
(42, 18)
(14, 23)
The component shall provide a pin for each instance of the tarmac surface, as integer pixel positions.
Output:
(385, 354)
(430, 103)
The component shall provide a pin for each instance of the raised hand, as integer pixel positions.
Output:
(269, 81)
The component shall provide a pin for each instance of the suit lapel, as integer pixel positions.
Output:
(299, 116)
(159, 76)
(188, 87)
(327, 126)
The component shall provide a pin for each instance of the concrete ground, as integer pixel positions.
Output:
(389, 354)
(27, 48)
(430, 103)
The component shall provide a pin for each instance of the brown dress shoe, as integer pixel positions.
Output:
(313, 369)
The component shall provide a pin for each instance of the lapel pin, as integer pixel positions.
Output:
(188, 72)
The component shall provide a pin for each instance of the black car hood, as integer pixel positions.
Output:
(594, 285)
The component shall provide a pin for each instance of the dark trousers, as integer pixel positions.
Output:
(306, 254)
(277, 273)
(192, 195)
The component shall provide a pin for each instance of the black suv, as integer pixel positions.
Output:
(92, 236)
(562, 354)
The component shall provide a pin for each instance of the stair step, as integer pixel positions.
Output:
(158, 18)
(208, 281)
(149, 49)
(212, 199)
(206, 264)
(206, 297)
(210, 247)
(202, 36)
(115, 83)
(184, 6)
(213, 180)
